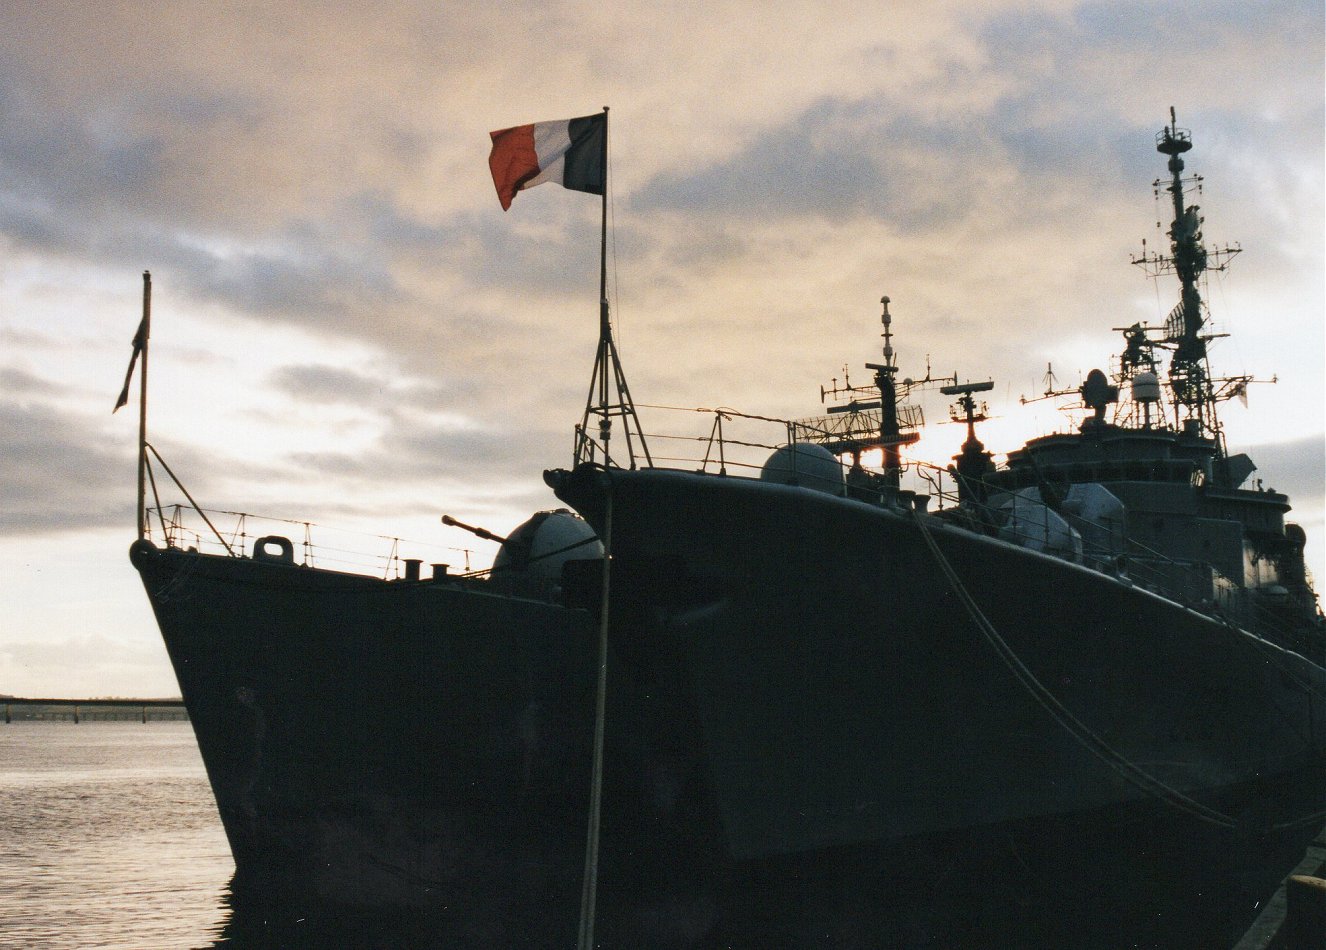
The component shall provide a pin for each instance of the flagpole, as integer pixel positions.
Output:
(605, 326)
(589, 882)
(603, 231)
(142, 409)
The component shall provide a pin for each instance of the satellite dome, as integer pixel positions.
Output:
(1146, 387)
(804, 464)
(539, 547)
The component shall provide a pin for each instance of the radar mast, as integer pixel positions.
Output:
(1190, 380)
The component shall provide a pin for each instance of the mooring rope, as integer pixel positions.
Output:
(1060, 713)
(1263, 647)
(589, 885)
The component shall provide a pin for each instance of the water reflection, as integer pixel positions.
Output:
(272, 920)
(1091, 899)
(978, 912)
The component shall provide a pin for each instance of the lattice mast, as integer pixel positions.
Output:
(1194, 390)
(886, 423)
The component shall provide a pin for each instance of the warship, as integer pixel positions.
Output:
(799, 703)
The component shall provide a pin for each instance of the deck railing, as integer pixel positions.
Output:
(728, 441)
(212, 531)
(725, 442)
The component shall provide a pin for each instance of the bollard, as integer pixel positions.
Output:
(1305, 913)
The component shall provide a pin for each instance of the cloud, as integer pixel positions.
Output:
(58, 163)
(1296, 468)
(55, 473)
(301, 276)
(328, 384)
(18, 383)
(88, 665)
(421, 432)
(270, 191)
(814, 163)
(62, 470)
(346, 323)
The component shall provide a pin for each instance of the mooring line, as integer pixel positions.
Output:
(589, 886)
(1060, 713)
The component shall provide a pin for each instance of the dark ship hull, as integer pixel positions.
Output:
(394, 744)
(782, 755)
(847, 694)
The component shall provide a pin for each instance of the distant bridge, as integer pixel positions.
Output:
(43, 708)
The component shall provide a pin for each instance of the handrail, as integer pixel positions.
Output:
(349, 553)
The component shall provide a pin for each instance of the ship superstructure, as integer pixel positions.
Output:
(1189, 524)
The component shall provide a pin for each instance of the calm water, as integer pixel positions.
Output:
(108, 838)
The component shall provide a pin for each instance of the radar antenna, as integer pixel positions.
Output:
(1189, 259)
(973, 463)
(873, 417)
(1052, 390)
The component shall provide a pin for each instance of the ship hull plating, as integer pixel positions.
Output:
(374, 743)
(806, 731)
(850, 703)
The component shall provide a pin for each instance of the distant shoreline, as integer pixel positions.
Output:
(115, 709)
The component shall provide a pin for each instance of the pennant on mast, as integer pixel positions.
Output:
(140, 349)
(140, 344)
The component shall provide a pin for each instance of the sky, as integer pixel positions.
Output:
(347, 330)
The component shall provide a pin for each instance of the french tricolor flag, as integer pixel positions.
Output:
(568, 151)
